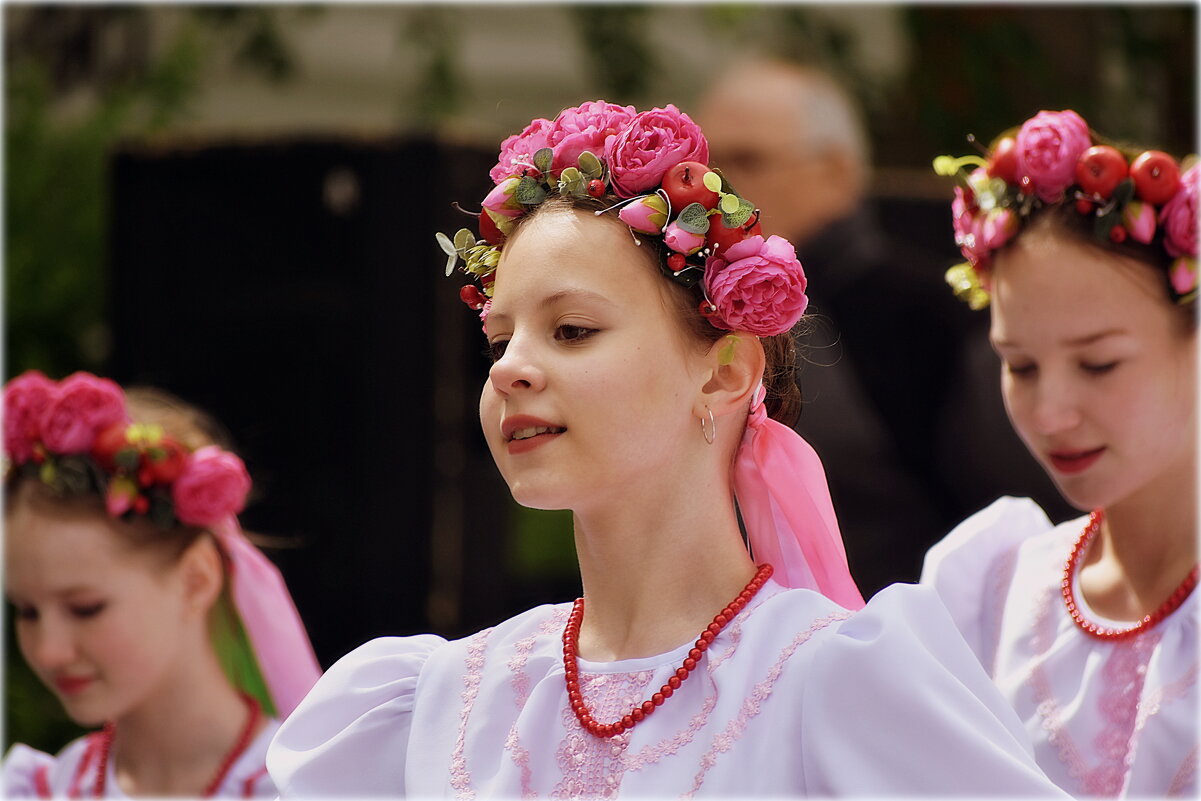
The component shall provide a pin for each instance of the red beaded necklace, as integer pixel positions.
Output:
(240, 746)
(571, 668)
(1101, 632)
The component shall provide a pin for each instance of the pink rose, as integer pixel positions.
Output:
(213, 485)
(1179, 217)
(586, 127)
(1048, 146)
(81, 406)
(652, 143)
(758, 286)
(517, 152)
(682, 241)
(25, 397)
(647, 215)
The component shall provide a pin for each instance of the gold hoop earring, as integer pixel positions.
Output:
(710, 431)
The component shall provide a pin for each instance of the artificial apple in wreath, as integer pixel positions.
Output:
(685, 184)
(1100, 169)
(1004, 161)
(720, 237)
(1156, 177)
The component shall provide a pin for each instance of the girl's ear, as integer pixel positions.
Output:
(735, 364)
(202, 571)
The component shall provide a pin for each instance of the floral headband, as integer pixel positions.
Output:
(1054, 158)
(75, 436)
(654, 164)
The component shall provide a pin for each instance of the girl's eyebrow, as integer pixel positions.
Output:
(561, 295)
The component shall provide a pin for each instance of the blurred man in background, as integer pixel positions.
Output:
(884, 407)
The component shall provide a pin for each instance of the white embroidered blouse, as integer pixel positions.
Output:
(29, 773)
(1107, 718)
(796, 696)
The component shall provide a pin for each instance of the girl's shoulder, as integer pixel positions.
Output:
(30, 773)
(344, 736)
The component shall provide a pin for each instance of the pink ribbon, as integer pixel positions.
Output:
(785, 502)
(270, 618)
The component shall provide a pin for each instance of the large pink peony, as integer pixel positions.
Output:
(25, 398)
(1048, 146)
(80, 407)
(758, 286)
(517, 152)
(652, 143)
(1179, 217)
(586, 127)
(213, 485)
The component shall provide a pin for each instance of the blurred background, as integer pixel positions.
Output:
(237, 204)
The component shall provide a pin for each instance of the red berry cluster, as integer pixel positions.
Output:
(126, 451)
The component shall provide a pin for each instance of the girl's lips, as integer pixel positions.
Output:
(1071, 462)
(70, 685)
(523, 433)
(519, 446)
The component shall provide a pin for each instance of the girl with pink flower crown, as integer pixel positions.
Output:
(639, 329)
(137, 598)
(1087, 256)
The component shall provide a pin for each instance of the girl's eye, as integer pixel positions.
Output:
(496, 349)
(573, 333)
(85, 611)
(1020, 370)
(1099, 369)
(26, 613)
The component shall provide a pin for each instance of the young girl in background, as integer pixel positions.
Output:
(642, 365)
(1086, 255)
(137, 598)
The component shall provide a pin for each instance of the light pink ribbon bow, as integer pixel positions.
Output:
(785, 502)
(271, 620)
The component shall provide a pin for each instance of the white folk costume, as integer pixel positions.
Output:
(797, 696)
(29, 773)
(1107, 717)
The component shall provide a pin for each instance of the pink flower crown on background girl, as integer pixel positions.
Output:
(1055, 158)
(655, 164)
(75, 435)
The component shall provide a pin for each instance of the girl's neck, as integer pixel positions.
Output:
(175, 742)
(654, 575)
(1145, 548)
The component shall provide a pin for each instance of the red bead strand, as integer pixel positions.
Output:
(571, 668)
(1102, 632)
(254, 712)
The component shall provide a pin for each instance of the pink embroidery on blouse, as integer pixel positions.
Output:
(460, 778)
(1118, 696)
(724, 740)
(521, 693)
(1184, 777)
(1162, 695)
(592, 767)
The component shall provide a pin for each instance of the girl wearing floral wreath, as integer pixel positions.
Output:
(638, 324)
(1086, 254)
(138, 600)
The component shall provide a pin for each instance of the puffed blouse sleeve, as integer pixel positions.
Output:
(27, 772)
(971, 568)
(350, 734)
(895, 703)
